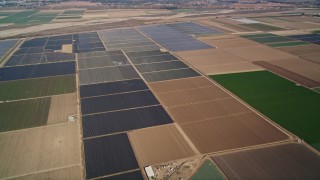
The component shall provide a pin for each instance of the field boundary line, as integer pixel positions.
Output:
(42, 171)
(110, 82)
(122, 109)
(10, 52)
(165, 70)
(198, 102)
(126, 92)
(189, 89)
(100, 67)
(188, 140)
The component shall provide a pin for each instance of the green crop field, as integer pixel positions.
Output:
(261, 27)
(18, 17)
(258, 35)
(207, 171)
(30, 88)
(295, 108)
(24, 114)
(272, 39)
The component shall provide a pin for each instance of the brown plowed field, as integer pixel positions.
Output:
(258, 53)
(39, 149)
(231, 132)
(183, 97)
(230, 24)
(216, 62)
(312, 57)
(300, 50)
(207, 110)
(304, 68)
(230, 68)
(180, 84)
(287, 161)
(61, 107)
(289, 74)
(159, 144)
(70, 173)
(213, 25)
(298, 25)
(229, 42)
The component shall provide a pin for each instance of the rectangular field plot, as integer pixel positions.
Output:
(108, 155)
(120, 121)
(262, 27)
(87, 42)
(24, 114)
(117, 102)
(145, 68)
(152, 58)
(296, 108)
(311, 38)
(180, 84)
(134, 175)
(92, 54)
(61, 107)
(231, 132)
(159, 144)
(30, 88)
(169, 75)
(30, 151)
(103, 61)
(35, 71)
(36, 42)
(207, 110)
(173, 39)
(287, 161)
(5, 46)
(112, 88)
(17, 17)
(126, 39)
(178, 98)
(32, 50)
(73, 172)
(193, 28)
(146, 54)
(107, 74)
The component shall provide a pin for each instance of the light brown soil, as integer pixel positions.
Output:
(312, 57)
(230, 24)
(217, 62)
(258, 53)
(67, 48)
(298, 25)
(180, 84)
(300, 50)
(61, 107)
(38, 149)
(159, 144)
(285, 161)
(289, 74)
(70, 173)
(230, 68)
(214, 25)
(207, 110)
(229, 42)
(299, 66)
(178, 98)
(232, 132)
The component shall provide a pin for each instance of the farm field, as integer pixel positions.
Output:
(96, 93)
(291, 106)
(286, 161)
(159, 144)
(39, 149)
(208, 171)
(30, 88)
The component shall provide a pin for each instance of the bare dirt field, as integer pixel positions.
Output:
(69, 173)
(286, 161)
(298, 25)
(299, 66)
(289, 74)
(183, 97)
(207, 110)
(312, 57)
(230, 24)
(159, 144)
(228, 42)
(180, 84)
(231, 132)
(215, 25)
(61, 107)
(38, 149)
(300, 50)
(216, 62)
(258, 53)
